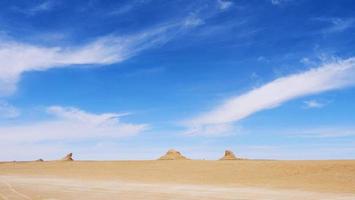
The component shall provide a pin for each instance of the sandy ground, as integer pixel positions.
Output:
(185, 180)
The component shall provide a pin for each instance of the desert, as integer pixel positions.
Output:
(178, 179)
(177, 100)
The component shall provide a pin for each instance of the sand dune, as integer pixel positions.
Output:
(181, 179)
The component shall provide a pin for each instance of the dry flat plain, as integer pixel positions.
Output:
(181, 179)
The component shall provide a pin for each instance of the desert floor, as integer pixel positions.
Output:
(190, 179)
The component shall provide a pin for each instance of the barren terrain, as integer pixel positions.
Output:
(185, 179)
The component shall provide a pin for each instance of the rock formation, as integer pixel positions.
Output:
(229, 155)
(40, 160)
(68, 157)
(173, 155)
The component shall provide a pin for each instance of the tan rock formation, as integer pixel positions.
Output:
(229, 155)
(173, 155)
(68, 157)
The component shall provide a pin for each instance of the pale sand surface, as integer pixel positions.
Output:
(242, 179)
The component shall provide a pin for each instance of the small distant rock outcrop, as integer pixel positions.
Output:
(229, 155)
(68, 157)
(173, 155)
(39, 160)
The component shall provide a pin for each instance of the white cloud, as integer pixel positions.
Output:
(193, 21)
(224, 4)
(279, 2)
(339, 25)
(276, 2)
(298, 151)
(212, 130)
(17, 58)
(262, 59)
(128, 7)
(8, 111)
(306, 61)
(35, 9)
(334, 24)
(44, 6)
(314, 104)
(330, 76)
(323, 132)
(71, 123)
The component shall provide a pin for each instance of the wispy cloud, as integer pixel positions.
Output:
(299, 151)
(213, 130)
(17, 58)
(145, 72)
(336, 24)
(339, 25)
(306, 61)
(329, 76)
(41, 7)
(323, 132)
(279, 2)
(224, 4)
(71, 123)
(313, 104)
(128, 7)
(193, 21)
(44, 6)
(8, 111)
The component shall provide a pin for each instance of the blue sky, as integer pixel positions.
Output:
(131, 79)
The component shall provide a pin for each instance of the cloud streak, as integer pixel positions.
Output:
(8, 111)
(323, 132)
(336, 25)
(279, 2)
(71, 123)
(44, 6)
(224, 5)
(330, 76)
(126, 8)
(339, 25)
(314, 104)
(17, 58)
